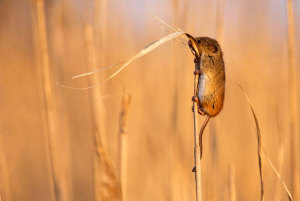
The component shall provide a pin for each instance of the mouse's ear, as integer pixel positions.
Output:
(212, 48)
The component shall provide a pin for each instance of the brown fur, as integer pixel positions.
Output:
(211, 85)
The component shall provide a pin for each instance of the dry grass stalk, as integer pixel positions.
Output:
(123, 143)
(106, 183)
(141, 53)
(292, 77)
(259, 146)
(49, 96)
(197, 150)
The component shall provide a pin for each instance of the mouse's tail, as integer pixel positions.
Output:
(201, 135)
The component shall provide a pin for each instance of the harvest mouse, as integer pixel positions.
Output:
(209, 65)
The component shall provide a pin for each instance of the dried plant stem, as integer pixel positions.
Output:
(292, 75)
(49, 96)
(259, 148)
(123, 142)
(197, 151)
(105, 180)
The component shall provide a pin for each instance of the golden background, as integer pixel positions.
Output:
(62, 144)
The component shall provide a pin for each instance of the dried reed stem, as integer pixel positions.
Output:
(123, 143)
(197, 149)
(292, 77)
(105, 180)
(49, 96)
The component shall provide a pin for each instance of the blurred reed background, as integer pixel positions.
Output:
(59, 144)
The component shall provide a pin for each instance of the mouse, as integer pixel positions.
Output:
(211, 70)
(210, 89)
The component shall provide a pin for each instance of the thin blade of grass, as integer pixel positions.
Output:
(169, 26)
(141, 53)
(164, 23)
(259, 147)
(79, 88)
(278, 175)
(146, 50)
(97, 70)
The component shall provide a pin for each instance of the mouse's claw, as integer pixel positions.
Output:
(197, 72)
(196, 100)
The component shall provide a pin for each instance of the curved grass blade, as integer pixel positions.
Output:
(260, 149)
(146, 50)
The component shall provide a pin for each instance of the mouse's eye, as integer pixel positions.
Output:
(199, 41)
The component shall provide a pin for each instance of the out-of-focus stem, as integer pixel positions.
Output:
(292, 75)
(231, 183)
(124, 144)
(42, 48)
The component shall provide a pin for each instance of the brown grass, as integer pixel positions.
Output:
(106, 183)
(42, 48)
(123, 143)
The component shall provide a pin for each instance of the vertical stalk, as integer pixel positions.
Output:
(106, 185)
(197, 152)
(292, 74)
(42, 48)
(123, 143)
